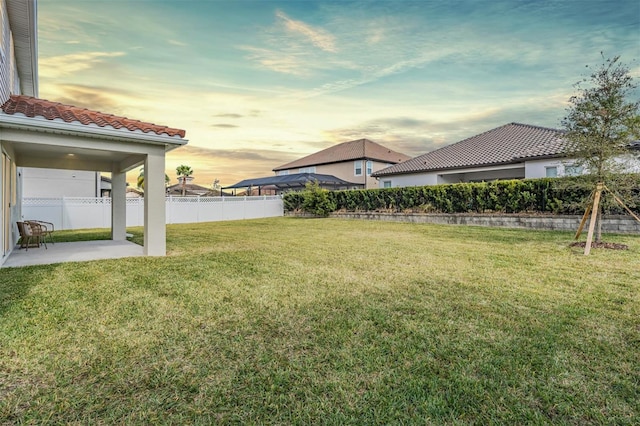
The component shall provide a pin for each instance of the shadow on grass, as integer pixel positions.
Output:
(16, 283)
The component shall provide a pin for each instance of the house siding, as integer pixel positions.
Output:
(345, 170)
(9, 80)
(9, 83)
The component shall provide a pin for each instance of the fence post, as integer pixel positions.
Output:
(62, 211)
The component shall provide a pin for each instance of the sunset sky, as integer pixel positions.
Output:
(257, 84)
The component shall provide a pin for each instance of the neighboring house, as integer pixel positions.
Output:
(353, 161)
(289, 182)
(37, 133)
(134, 193)
(512, 151)
(191, 189)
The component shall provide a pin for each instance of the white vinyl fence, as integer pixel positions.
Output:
(79, 213)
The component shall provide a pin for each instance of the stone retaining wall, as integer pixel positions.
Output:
(611, 224)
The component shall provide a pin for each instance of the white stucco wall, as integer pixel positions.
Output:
(345, 170)
(59, 183)
(417, 179)
(538, 168)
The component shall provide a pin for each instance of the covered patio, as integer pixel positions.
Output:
(44, 134)
(73, 252)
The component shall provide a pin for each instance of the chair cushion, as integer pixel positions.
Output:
(27, 230)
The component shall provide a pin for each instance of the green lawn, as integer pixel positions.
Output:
(326, 321)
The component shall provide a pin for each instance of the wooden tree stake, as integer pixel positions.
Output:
(594, 217)
(585, 216)
(615, 197)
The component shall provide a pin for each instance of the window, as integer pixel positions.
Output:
(573, 170)
(307, 169)
(386, 184)
(551, 171)
(369, 168)
(283, 172)
(357, 168)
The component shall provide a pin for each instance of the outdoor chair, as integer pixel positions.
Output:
(46, 227)
(31, 235)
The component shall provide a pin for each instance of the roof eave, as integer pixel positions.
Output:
(77, 129)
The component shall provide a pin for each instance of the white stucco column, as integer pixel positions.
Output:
(118, 206)
(155, 241)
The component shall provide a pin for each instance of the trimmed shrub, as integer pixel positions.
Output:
(316, 200)
(567, 195)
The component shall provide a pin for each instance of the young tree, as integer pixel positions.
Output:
(602, 121)
(184, 171)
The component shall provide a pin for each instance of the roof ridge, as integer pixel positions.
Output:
(534, 126)
(343, 151)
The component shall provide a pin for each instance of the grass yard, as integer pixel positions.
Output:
(327, 321)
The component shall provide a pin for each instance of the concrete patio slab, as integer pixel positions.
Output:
(72, 252)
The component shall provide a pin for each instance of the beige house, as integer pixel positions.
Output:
(42, 134)
(353, 161)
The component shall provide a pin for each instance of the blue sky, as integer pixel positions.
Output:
(257, 84)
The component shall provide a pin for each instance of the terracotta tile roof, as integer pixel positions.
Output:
(190, 189)
(354, 150)
(510, 143)
(34, 107)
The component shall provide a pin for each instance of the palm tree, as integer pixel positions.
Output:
(140, 182)
(185, 172)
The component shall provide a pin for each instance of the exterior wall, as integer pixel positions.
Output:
(346, 171)
(9, 83)
(415, 179)
(5, 53)
(630, 163)
(59, 183)
(537, 168)
(10, 210)
(480, 176)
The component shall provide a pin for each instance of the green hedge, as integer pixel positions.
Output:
(550, 195)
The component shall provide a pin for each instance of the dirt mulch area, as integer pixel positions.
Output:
(612, 246)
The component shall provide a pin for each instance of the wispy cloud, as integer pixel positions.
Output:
(110, 100)
(276, 60)
(224, 126)
(317, 36)
(58, 66)
(177, 43)
(229, 115)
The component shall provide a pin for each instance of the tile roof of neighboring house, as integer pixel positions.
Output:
(190, 189)
(354, 150)
(510, 143)
(34, 107)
